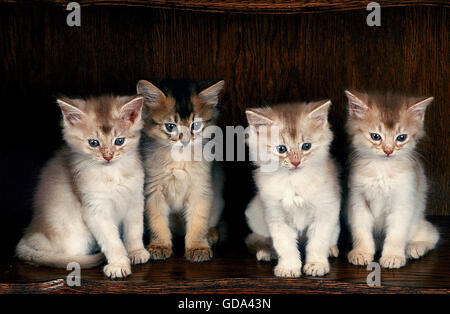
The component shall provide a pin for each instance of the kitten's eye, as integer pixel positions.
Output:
(196, 125)
(170, 127)
(402, 137)
(93, 143)
(306, 146)
(119, 141)
(375, 136)
(281, 149)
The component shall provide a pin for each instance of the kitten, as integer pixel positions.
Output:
(301, 195)
(90, 188)
(387, 181)
(178, 113)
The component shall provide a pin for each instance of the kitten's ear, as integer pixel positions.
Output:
(131, 111)
(72, 115)
(256, 118)
(211, 94)
(153, 96)
(419, 108)
(356, 106)
(320, 112)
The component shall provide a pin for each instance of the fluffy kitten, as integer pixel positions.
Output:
(91, 188)
(387, 182)
(301, 195)
(178, 113)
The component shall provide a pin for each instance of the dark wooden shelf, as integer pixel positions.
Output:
(233, 270)
(249, 6)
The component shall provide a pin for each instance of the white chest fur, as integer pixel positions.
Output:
(381, 182)
(116, 184)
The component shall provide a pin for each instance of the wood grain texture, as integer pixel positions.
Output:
(234, 270)
(248, 6)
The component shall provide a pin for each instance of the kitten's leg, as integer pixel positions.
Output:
(319, 234)
(158, 210)
(133, 230)
(106, 232)
(259, 242)
(398, 223)
(424, 239)
(334, 250)
(197, 217)
(423, 235)
(361, 227)
(284, 238)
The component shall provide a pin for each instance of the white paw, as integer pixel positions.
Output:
(357, 257)
(283, 270)
(392, 261)
(265, 255)
(140, 256)
(333, 251)
(117, 270)
(316, 268)
(416, 249)
(299, 201)
(287, 202)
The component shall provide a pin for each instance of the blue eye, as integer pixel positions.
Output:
(306, 146)
(170, 127)
(402, 137)
(375, 136)
(281, 149)
(196, 125)
(119, 141)
(93, 143)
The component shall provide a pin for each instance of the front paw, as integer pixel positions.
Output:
(392, 261)
(140, 256)
(358, 257)
(159, 252)
(316, 268)
(416, 249)
(283, 270)
(333, 251)
(198, 254)
(212, 236)
(265, 255)
(117, 269)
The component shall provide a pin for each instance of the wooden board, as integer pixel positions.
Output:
(248, 6)
(233, 270)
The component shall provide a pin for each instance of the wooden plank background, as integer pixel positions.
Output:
(249, 6)
(263, 59)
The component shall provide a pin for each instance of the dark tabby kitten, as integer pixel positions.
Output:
(177, 113)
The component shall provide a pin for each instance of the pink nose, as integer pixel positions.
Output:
(388, 151)
(295, 163)
(107, 158)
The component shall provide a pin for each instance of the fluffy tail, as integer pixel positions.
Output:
(30, 255)
(261, 246)
(256, 242)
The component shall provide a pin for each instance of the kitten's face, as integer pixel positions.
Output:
(102, 128)
(179, 112)
(385, 126)
(297, 134)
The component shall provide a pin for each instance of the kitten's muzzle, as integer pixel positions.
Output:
(108, 157)
(184, 138)
(388, 151)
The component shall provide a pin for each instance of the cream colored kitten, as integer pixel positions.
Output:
(301, 195)
(387, 182)
(91, 188)
(190, 190)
